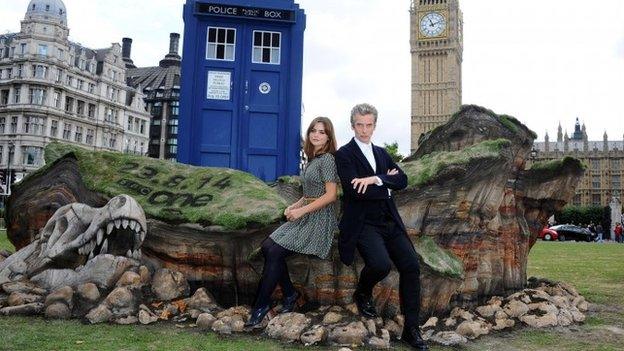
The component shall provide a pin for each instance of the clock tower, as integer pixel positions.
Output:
(436, 46)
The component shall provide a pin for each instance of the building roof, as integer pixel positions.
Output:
(153, 78)
(47, 9)
(578, 145)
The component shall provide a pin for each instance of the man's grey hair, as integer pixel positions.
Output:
(363, 110)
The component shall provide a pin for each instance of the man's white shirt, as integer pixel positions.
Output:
(367, 150)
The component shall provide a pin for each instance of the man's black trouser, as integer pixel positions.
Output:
(380, 245)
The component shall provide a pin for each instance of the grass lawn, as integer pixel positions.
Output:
(597, 270)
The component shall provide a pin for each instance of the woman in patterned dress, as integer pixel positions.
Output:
(311, 221)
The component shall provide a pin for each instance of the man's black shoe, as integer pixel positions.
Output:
(365, 305)
(414, 339)
(288, 304)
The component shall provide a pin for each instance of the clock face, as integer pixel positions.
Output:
(432, 24)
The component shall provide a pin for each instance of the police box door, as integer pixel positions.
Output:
(244, 106)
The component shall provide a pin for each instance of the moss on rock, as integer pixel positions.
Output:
(176, 193)
(441, 261)
(424, 170)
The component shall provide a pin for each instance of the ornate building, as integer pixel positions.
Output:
(436, 45)
(52, 89)
(161, 86)
(604, 161)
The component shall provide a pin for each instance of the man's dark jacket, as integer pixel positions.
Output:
(352, 163)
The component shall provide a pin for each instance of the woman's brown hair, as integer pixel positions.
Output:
(329, 147)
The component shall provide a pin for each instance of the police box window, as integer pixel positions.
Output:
(266, 47)
(221, 44)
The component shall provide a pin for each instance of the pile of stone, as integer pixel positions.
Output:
(544, 304)
(138, 296)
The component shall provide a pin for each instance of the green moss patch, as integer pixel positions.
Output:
(438, 259)
(424, 170)
(177, 193)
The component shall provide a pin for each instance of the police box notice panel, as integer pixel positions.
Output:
(219, 85)
(246, 12)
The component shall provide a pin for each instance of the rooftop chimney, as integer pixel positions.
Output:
(172, 58)
(126, 48)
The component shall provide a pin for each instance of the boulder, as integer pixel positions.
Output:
(205, 321)
(147, 317)
(129, 279)
(472, 330)
(287, 326)
(354, 333)
(57, 310)
(202, 300)
(169, 285)
(331, 318)
(448, 338)
(100, 314)
(29, 309)
(121, 302)
(18, 298)
(315, 335)
(64, 295)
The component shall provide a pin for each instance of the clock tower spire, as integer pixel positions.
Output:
(436, 46)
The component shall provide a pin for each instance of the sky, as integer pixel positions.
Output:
(544, 62)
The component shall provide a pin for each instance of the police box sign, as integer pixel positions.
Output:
(246, 12)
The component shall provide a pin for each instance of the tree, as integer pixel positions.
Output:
(393, 150)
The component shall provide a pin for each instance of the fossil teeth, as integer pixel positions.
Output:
(129, 253)
(91, 255)
(136, 254)
(81, 250)
(143, 236)
(104, 248)
(133, 225)
(109, 227)
(117, 223)
(125, 223)
(100, 236)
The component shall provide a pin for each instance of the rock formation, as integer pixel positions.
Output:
(471, 208)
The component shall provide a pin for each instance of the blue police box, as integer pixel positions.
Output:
(240, 102)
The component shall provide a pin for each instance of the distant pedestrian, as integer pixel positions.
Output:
(599, 233)
(618, 232)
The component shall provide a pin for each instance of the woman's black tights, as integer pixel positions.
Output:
(274, 272)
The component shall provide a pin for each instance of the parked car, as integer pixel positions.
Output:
(573, 232)
(548, 234)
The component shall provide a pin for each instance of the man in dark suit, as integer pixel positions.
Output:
(371, 223)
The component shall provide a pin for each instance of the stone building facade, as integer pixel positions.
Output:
(53, 89)
(161, 86)
(604, 160)
(436, 46)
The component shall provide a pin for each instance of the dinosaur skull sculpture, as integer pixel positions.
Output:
(77, 233)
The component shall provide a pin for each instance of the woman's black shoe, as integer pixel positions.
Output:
(257, 315)
(288, 305)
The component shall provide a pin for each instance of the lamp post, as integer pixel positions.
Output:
(8, 170)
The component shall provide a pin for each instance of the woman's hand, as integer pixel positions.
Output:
(294, 214)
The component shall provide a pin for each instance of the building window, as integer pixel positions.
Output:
(615, 182)
(221, 44)
(157, 109)
(595, 199)
(20, 70)
(2, 125)
(142, 127)
(69, 80)
(22, 48)
(53, 128)
(61, 54)
(16, 97)
(596, 182)
(37, 96)
(615, 164)
(33, 125)
(59, 75)
(112, 141)
(4, 97)
(595, 164)
(13, 124)
(31, 155)
(130, 122)
(80, 108)
(89, 139)
(67, 131)
(79, 84)
(91, 111)
(78, 135)
(40, 71)
(175, 109)
(266, 47)
(57, 98)
(43, 50)
(69, 104)
(91, 88)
